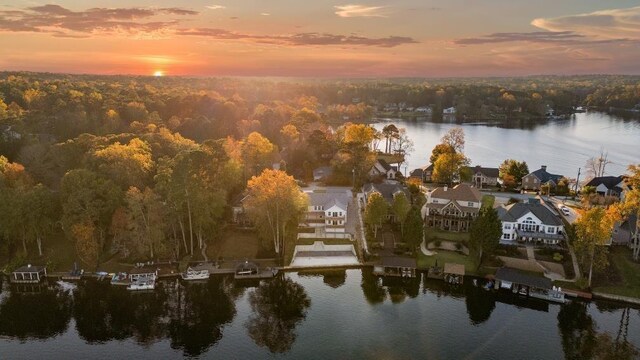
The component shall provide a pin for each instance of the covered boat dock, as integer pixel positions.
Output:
(397, 266)
(528, 285)
(453, 273)
(28, 274)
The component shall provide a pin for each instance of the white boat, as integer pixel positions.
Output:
(192, 274)
(143, 283)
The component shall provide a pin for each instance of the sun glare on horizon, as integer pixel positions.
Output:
(158, 73)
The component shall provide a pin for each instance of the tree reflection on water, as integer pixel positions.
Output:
(278, 306)
(580, 339)
(34, 312)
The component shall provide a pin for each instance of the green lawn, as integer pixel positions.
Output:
(432, 234)
(488, 201)
(629, 272)
(444, 256)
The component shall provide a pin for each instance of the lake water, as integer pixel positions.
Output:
(562, 145)
(333, 315)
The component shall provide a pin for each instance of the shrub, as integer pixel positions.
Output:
(458, 246)
(438, 243)
(558, 257)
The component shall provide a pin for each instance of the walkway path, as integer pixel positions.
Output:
(423, 248)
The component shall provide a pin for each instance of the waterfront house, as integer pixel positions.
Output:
(483, 176)
(452, 209)
(540, 177)
(382, 169)
(387, 190)
(531, 222)
(449, 111)
(239, 215)
(609, 186)
(422, 173)
(327, 210)
(28, 274)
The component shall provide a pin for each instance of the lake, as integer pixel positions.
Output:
(322, 315)
(562, 145)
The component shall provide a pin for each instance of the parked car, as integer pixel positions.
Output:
(565, 210)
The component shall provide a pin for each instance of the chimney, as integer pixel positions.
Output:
(544, 167)
(445, 188)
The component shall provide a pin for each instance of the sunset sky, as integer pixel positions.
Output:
(420, 38)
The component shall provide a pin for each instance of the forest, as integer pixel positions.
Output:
(149, 167)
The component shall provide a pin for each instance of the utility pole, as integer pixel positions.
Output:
(577, 182)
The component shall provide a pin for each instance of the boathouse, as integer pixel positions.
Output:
(453, 273)
(528, 285)
(28, 274)
(397, 266)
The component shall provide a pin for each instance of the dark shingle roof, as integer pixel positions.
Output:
(417, 173)
(515, 276)
(386, 190)
(384, 164)
(512, 212)
(544, 176)
(32, 269)
(609, 181)
(488, 172)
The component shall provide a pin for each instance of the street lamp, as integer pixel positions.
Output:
(353, 178)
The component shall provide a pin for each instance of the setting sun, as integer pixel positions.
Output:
(158, 73)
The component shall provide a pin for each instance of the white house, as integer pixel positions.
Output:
(382, 168)
(530, 222)
(327, 210)
(449, 111)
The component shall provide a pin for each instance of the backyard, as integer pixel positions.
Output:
(433, 234)
(443, 256)
(623, 274)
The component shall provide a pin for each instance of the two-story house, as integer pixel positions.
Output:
(452, 209)
(422, 173)
(382, 169)
(327, 210)
(531, 222)
(388, 192)
(626, 232)
(483, 177)
(536, 179)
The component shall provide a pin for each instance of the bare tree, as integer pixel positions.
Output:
(597, 165)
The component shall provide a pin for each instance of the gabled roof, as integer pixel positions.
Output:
(515, 276)
(488, 172)
(416, 173)
(386, 190)
(630, 223)
(545, 176)
(513, 212)
(385, 165)
(461, 192)
(610, 182)
(327, 199)
(30, 269)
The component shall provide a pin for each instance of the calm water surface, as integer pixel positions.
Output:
(334, 315)
(562, 145)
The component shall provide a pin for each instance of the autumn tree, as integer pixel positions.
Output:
(485, 233)
(88, 202)
(375, 212)
(126, 164)
(275, 204)
(414, 227)
(257, 152)
(146, 221)
(512, 171)
(400, 208)
(593, 230)
(450, 167)
(41, 215)
(454, 138)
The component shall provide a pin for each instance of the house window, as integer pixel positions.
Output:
(435, 201)
(507, 226)
(470, 204)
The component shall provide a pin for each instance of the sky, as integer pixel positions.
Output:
(322, 38)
